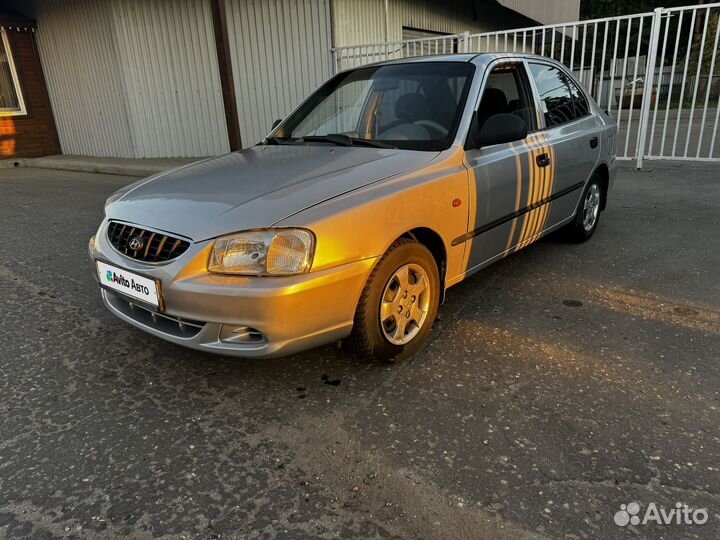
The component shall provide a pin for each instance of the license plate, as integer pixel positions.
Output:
(130, 284)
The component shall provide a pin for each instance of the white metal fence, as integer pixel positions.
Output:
(657, 74)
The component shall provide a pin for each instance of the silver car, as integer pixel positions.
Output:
(388, 185)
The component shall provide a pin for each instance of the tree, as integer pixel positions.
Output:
(595, 9)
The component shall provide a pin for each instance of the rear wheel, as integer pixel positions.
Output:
(588, 215)
(399, 303)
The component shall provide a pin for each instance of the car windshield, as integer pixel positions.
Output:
(414, 106)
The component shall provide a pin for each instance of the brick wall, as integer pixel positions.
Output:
(33, 134)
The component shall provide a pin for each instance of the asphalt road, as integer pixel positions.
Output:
(559, 383)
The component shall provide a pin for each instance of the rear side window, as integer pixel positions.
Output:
(579, 102)
(560, 98)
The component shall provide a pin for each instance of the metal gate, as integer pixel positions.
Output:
(655, 73)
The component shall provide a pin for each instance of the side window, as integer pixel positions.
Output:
(506, 92)
(579, 102)
(560, 98)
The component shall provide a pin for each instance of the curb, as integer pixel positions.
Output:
(96, 167)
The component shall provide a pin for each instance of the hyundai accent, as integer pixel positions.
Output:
(350, 220)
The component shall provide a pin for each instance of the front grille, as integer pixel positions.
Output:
(153, 247)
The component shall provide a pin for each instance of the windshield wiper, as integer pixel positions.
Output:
(344, 140)
(371, 142)
(334, 138)
(277, 140)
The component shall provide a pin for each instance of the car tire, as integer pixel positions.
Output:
(386, 325)
(588, 214)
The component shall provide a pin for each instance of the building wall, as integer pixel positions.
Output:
(169, 68)
(79, 58)
(140, 78)
(280, 52)
(33, 134)
(363, 21)
(546, 11)
(132, 78)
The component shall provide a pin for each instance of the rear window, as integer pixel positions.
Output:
(560, 98)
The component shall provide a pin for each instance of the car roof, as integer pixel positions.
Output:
(474, 58)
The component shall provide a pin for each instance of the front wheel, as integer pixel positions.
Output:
(399, 303)
(588, 214)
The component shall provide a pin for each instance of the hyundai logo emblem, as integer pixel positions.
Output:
(136, 243)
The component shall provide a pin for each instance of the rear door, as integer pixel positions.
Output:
(508, 182)
(571, 133)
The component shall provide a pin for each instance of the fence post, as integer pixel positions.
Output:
(648, 85)
(466, 41)
(334, 60)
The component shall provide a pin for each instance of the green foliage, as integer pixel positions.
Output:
(594, 9)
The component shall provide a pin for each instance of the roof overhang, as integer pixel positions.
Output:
(12, 20)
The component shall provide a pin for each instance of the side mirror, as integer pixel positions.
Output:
(276, 123)
(501, 128)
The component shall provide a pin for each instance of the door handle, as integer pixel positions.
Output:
(593, 142)
(543, 160)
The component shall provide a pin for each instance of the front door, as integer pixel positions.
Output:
(509, 183)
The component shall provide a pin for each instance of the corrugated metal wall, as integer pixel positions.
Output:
(169, 67)
(79, 59)
(363, 21)
(547, 11)
(280, 51)
(139, 78)
(447, 16)
(359, 22)
(132, 78)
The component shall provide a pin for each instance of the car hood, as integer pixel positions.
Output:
(254, 188)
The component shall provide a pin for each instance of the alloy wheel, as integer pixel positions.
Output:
(405, 304)
(591, 207)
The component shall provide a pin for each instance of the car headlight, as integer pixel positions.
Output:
(265, 252)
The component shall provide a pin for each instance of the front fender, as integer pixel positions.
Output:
(364, 223)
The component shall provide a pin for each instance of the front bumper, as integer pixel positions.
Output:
(238, 315)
